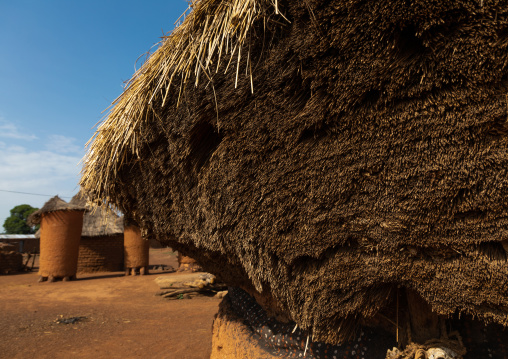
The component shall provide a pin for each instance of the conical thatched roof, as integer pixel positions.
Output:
(349, 150)
(97, 222)
(53, 205)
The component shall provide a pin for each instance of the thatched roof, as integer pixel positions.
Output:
(53, 205)
(97, 221)
(365, 151)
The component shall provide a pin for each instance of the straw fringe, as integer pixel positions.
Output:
(211, 31)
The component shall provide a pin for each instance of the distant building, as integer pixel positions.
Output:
(25, 243)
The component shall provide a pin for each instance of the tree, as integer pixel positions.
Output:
(16, 223)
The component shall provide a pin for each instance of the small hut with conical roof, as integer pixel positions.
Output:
(101, 248)
(345, 163)
(60, 232)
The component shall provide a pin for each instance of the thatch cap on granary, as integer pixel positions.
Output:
(53, 205)
(97, 222)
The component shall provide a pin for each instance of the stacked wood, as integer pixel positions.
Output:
(186, 286)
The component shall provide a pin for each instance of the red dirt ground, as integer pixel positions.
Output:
(124, 319)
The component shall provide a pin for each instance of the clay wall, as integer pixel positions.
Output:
(10, 262)
(31, 245)
(101, 254)
(232, 339)
(25, 245)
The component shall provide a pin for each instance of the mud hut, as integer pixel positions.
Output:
(60, 232)
(101, 245)
(343, 162)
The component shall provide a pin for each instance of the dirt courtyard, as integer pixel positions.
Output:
(120, 317)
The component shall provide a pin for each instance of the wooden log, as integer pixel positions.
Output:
(181, 291)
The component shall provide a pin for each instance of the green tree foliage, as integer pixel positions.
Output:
(16, 223)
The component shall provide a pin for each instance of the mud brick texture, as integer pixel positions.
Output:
(101, 254)
(10, 262)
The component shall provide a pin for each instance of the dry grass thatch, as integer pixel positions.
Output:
(97, 222)
(214, 31)
(371, 159)
(53, 205)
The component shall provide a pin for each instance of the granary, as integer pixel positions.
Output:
(60, 232)
(343, 163)
(136, 249)
(101, 248)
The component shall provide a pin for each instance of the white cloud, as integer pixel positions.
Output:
(10, 130)
(38, 172)
(21, 168)
(63, 144)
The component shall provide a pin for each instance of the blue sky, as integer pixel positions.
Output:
(62, 63)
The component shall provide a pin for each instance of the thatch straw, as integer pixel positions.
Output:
(213, 31)
(97, 222)
(371, 156)
(53, 205)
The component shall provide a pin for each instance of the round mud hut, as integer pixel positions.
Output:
(343, 165)
(136, 250)
(60, 232)
(101, 246)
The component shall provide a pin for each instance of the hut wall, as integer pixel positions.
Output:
(101, 254)
(231, 339)
(60, 237)
(25, 245)
(31, 245)
(136, 248)
(10, 262)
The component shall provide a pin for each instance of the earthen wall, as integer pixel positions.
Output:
(10, 262)
(101, 254)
